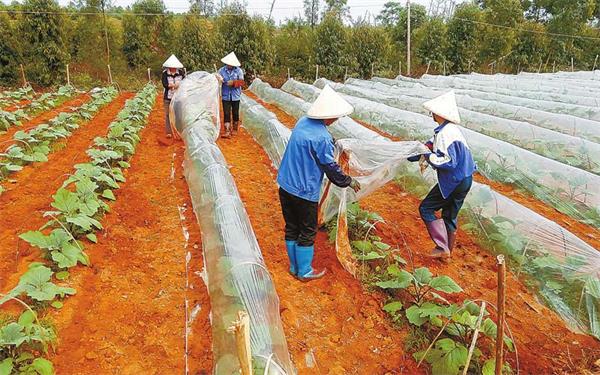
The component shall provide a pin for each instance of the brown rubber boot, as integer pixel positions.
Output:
(439, 235)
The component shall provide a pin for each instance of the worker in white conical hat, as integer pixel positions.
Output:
(309, 155)
(451, 158)
(172, 76)
(232, 78)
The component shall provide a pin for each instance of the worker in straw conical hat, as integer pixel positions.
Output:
(308, 156)
(451, 158)
(232, 77)
(172, 76)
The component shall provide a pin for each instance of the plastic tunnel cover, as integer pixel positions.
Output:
(560, 266)
(237, 277)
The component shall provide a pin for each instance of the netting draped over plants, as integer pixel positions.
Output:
(566, 188)
(236, 275)
(560, 266)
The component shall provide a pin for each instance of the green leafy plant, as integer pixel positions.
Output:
(36, 285)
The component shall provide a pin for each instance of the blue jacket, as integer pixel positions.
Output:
(451, 157)
(307, 157)
(231, 93)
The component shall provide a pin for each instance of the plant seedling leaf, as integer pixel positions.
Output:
(413, 314)
(43, 366)
(393, 307)
(6, 366)
(445, 284)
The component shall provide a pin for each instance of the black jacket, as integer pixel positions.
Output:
(165, 80)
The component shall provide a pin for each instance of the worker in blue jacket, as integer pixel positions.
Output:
(451, 158)
(308, 156)
(232, 80)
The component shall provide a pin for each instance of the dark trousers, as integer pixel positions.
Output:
(167, 103)
(300, 218)
(450, 206)
(229, 107)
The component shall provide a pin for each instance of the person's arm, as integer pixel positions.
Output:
(165, 80)
(323, 150)
(445, 160)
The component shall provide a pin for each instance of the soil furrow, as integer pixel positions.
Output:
(474, 268)
(129, 314)
(29, 192)
(6, 137)
(332, 325)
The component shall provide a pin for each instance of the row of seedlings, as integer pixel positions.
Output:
(77, 209)
(10, 98)
(35, 145)
(42, 103)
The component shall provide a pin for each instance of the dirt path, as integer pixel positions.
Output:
(6, 137)
(129, 314)
(30, 192)
(534, 325)
(332, 325)
(585, 232)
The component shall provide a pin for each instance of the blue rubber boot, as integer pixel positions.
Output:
(304, 257)
(291, 252)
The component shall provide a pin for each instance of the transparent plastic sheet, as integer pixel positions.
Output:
(567, 124)
(560, 266)
(568, 189)
(378, 164)
(237, 278)
(458, 83)
(564, 148)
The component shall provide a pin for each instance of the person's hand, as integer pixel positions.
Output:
(230, 83)
(423, 164)
(355, 185)
(171, 85)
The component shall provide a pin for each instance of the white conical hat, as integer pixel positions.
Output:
(231, 59)
(329, 104)
(173, 62)
(444, 106)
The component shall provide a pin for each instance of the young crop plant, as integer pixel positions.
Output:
(35, 145)
(8, 98)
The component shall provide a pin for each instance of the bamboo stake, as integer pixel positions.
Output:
(399, 68)
(553, 66)
(372, 69)
(595, 61)
(408, 39)
(241, 329)
(23, 75)
(346, 75)
(68, 76)
(572, 65)
(474, 340)
(110, 75)
(501, 314)
(149, 77)
(215, 66)
(428, 65)
(317, 73)
(288, 73)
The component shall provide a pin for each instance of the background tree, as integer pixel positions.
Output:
(311, 12)
(10, 56)
(41, 37)
(531, 48)
(337, 8)
(294, 43)
(463, 38)
(497, 41)
(330, 43)
(389, 16)
(196, 46)
(367, 47)
(203, 7)
(431, 42)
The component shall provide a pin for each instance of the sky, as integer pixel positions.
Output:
(283, 8)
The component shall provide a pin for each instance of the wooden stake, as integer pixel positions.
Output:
(215, 66)
(288, 74)
(553, 66)
(110, 75)
(346, 75)
(572, 65)
(444, 66)
(595, 61)
(68, 76)
(540, 67)
(149, 76)
(408, 39)
(399, 68)
(475, 335)
(501, 314)
(372, 69)
(317, 73)
(241, 330)
(428, 65)
(23, 75)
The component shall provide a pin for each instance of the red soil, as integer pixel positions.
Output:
(337, 321)
(29, 192)
(6, 137)
(129, 314)
(557, 349)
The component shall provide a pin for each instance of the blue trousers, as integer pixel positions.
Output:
(450, 206)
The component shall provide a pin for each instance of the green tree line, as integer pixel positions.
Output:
(484, 36)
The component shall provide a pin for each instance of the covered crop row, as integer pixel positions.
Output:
(560, 122)
(561, 147)
(77, 208)
(562, 267)
(42, 103)
(35, 145)
(236, 275)
(565, 188)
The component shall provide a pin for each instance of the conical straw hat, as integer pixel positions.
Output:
(231, 59)
(173, 62)
(328, 105)
(444, 106)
